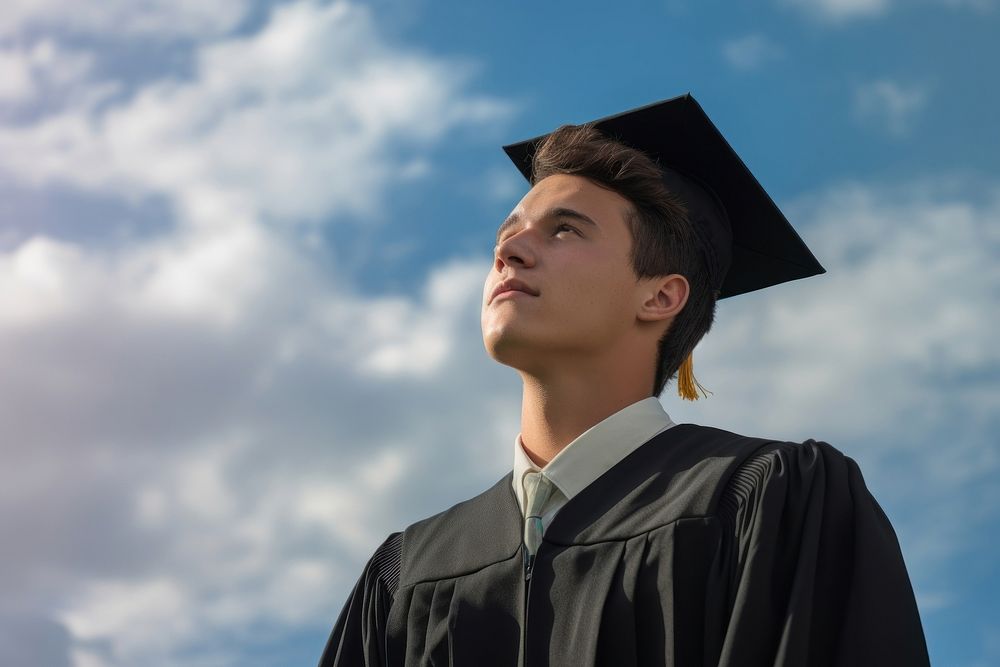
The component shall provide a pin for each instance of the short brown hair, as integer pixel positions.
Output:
(663, 238)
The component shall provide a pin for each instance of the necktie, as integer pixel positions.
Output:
(537, 489)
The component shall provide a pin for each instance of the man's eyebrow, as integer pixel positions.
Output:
(557, 212)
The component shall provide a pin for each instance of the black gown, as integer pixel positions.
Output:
(701, 547)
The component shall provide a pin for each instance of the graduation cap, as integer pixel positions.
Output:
(747, 242)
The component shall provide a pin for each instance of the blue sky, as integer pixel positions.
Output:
(242, 251)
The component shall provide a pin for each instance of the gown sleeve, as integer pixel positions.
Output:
(358, 637)
(816, 574)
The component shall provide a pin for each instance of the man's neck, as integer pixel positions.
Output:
(555, 412)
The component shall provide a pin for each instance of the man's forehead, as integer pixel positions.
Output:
(570, 191)
(564, 184)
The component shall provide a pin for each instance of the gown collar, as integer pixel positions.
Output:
(596, 450)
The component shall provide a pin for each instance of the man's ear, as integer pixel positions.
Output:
(662, 297)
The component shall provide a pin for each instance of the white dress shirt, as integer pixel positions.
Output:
(592, 453)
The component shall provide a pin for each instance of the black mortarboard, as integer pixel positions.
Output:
(747, 241)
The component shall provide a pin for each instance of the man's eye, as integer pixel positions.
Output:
(565, 226)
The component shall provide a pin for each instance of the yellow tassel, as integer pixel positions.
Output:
(686, 381)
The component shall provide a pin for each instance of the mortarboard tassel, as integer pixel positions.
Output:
(686, 381)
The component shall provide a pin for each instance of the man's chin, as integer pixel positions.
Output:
(510, 350)
(521, 353)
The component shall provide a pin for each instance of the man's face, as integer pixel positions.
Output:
(580, 271)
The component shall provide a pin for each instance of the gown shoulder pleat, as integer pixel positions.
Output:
(813, 570)
(358, 636)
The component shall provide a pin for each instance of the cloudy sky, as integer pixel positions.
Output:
(242, 249)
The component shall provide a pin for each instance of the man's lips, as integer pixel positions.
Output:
(511, 292)
(512, 285)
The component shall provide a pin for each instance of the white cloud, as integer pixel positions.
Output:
(156, 610)
(308, 117)
(232, 445)
(892, 105)
(148, 19)
(751, 52)
(15, 77)
(46, 70)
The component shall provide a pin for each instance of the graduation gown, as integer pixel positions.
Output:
(701, 547)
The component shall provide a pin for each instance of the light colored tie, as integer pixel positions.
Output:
(537, 490)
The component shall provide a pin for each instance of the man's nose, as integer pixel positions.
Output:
(516, 248)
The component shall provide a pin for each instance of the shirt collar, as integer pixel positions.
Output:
(596, 450)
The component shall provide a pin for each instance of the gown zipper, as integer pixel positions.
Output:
(529, 562)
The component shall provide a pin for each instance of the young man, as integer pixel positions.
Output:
(621, 538)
